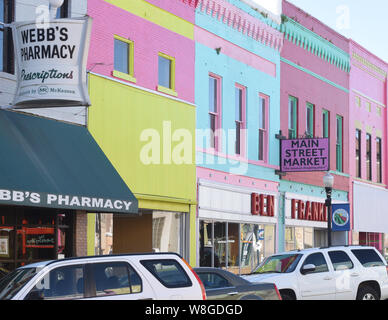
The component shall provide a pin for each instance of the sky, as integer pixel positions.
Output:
(364, 21)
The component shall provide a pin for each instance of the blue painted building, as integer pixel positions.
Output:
(237, 94)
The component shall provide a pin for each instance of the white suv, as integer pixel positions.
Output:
(161, 276)
(334, 273)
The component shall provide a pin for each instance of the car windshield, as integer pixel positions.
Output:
(14, 281)
(285, 263)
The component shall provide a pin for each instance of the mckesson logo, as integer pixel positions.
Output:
(42, 90)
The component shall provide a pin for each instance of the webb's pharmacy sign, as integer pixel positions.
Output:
(51, 63)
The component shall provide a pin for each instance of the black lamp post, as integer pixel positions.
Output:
(328, 181)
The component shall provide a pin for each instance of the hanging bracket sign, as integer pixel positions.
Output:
(303, 155)
(51, 63)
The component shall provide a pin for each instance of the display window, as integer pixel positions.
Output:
(299, 238)
(238, 248)
(32, 235)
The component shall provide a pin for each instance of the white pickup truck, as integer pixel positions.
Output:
(334, 273)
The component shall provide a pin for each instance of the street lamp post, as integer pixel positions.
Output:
(328, 181)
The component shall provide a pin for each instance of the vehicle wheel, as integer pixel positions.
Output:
(367, 293)
(287, 296)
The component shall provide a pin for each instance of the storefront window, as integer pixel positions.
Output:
(32, 235)
(220, 243)
(289, 238)
(206, 245)
(308, 238)
(104, 233)
(233, 247)
(249, 247)
(298, 238)
(167, 232)
(244, 245)
(269, 240)
(320, 238)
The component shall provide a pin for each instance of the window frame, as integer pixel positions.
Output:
(358, 153)
(242, 121)
(325, 124)
(168, 90)
(310, 122)
(157, 276)
(379, 157)
(92, 290)
(368, 156)
(292, 120)
(8, 58)
(339, 143)
(313, 272)
(335, 263)
(265, 130)
(216, 137)
(131, 61)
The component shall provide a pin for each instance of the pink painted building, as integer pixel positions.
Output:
(148, 37)
(368, 148)
(314, 98)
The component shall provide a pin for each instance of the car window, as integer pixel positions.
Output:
(213, 280)
(63, 283)
(169, 272)
(115, 278)
(340, 260)
(318, 260)
(368, 257)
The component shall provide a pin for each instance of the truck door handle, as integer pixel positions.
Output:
(354, 274)
(327, 278)
(232, 293)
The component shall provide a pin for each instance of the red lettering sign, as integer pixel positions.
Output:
(263, 205)
(308, 210)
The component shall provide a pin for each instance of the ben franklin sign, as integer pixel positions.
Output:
(299, 155)
(51, 63)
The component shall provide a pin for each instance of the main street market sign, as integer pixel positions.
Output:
(51, 62)
(310, 154)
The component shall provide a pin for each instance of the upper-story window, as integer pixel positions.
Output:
(339, 144)
(325, 124)
(358, 153)
(214, 110)
(292, 117)
(6, 45)
(309, 120)
(240, 100)
(166, 74)
(379, 170)
(368, 156)
(123, 58)
(263, 127)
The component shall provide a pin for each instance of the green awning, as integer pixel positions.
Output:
(47, 163)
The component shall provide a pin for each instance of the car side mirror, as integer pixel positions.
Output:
(308, 268)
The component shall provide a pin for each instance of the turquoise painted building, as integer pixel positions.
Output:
(237, 94)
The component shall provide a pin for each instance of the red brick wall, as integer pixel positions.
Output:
(80, 234)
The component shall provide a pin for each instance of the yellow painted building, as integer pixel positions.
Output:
(149, 138)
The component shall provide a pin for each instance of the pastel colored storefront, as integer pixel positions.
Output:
(368, 148)
(141, 85)
(237, 84)
(314, 103)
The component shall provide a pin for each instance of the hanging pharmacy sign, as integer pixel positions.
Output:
(51, 63)
(310, 154)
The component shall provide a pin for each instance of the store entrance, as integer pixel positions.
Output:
(29, 235)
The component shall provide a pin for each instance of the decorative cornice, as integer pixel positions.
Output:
(239, 20)
(310, 41)
(370, 66)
